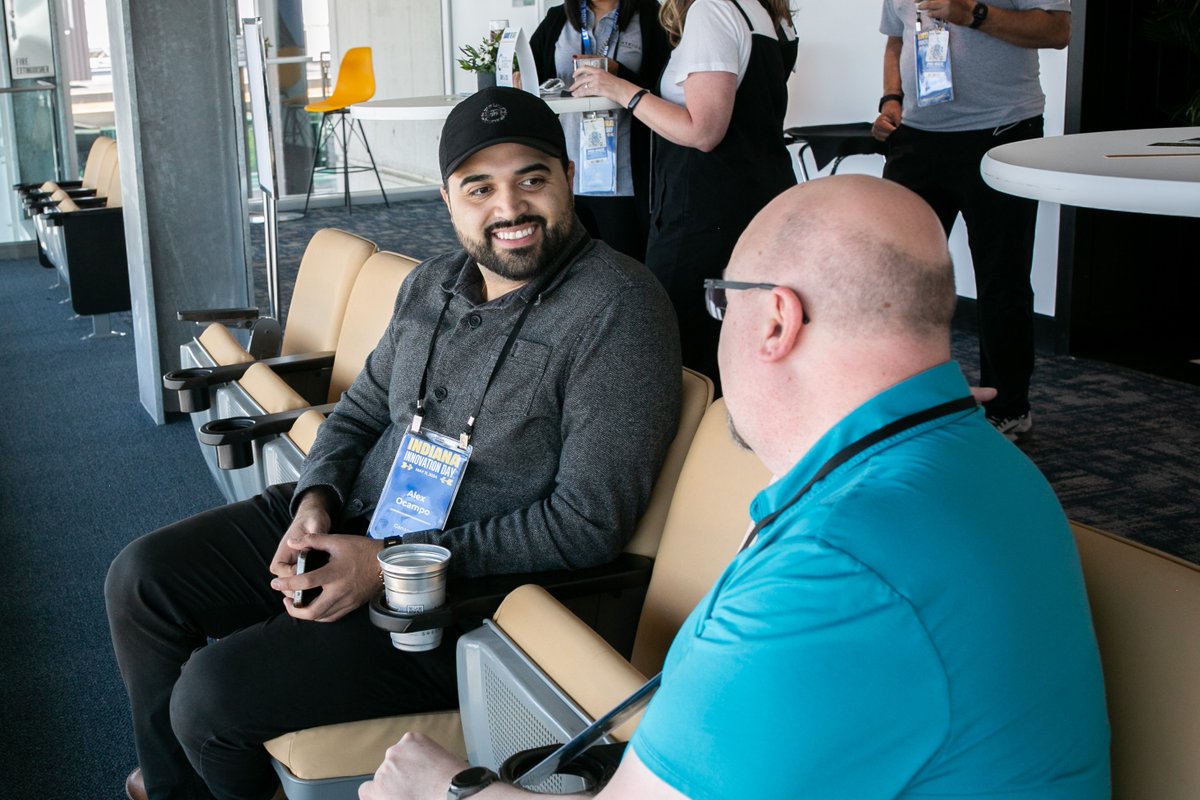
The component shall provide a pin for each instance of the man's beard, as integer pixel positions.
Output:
(523, 264)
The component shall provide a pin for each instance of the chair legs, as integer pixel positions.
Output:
(102, 328)
(341, 130)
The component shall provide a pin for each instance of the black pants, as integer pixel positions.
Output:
(943, 168)
(214, 667)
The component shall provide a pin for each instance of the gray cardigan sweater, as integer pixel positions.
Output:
(572, 431)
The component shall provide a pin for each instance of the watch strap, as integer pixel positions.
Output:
(899, 98)
(470, 781)
(978, 15)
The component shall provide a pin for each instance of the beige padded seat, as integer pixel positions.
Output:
(324, 280)
(1146, 609)
(262, 391)
(357, 748)
(102, 152)
(368, 312)
(338, 256)
(304, 430)
(222, 347)
(708, 519)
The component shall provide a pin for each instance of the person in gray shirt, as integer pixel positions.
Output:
(556, 354)
(935, 142)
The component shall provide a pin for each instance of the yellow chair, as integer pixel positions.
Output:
(355, 84)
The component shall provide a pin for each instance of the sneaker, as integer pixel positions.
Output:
(1013, 427)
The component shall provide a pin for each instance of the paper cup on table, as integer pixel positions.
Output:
(414, 580)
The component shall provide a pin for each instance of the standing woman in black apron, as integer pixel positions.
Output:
(628, 34)
(719, 155)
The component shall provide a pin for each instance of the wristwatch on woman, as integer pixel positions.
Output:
(470, 781)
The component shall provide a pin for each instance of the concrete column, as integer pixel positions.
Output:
(179, 134)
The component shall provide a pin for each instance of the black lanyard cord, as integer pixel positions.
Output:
(533, 299)
(857, 447)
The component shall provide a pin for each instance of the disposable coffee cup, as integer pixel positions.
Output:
(414, 580)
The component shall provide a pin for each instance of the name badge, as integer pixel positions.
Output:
(934, 82)
(597, 154)
(421, 485)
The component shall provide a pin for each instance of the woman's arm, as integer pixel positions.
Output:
(702, 120)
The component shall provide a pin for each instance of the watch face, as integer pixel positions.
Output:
(472, 777)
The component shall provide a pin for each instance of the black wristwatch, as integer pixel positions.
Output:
(887, 98)
(978, 15)
(470, 781)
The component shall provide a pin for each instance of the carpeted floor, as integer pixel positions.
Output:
(85, 471)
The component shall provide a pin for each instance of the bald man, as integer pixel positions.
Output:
(896, 628)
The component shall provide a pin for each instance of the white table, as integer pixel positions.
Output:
(438, 107)
(1081, 170)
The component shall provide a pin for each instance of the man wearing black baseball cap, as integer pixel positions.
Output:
(555, 358)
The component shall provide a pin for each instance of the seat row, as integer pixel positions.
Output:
(81, 234)
(255, 404)
(563, 649)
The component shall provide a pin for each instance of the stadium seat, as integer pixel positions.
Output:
(261, 405)
(102, 149)
(85, 242)
(330, 762)
(1146, 608)
(326, 275)
(556, 675)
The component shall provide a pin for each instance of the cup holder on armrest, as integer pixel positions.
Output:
(395, 622)
(183, 382)
(233, 452)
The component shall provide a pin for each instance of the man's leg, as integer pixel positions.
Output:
(1001, 230)
(284, 675)
(171, 590)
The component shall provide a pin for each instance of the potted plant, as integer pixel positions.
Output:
(482, 60)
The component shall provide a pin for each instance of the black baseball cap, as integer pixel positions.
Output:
(497, 115)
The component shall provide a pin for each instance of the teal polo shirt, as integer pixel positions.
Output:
(915, 626)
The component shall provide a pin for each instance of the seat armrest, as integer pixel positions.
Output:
(24, 187)
(37, 195)
(91, 215)
(193, 383)
(472, 599)
(234, 437)
(233, 317)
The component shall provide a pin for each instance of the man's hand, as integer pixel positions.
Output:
(313, 515)
(983, 394)
(415, 768)
(888, 120)
(347, 582)
(956, 12)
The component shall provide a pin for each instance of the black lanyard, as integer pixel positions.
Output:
(465, 437)
(855, 448)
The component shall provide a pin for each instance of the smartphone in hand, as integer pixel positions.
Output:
(307, 561)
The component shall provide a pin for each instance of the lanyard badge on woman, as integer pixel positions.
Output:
(597, 130)
(934, 82)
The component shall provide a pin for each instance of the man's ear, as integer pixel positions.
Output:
(570, 173)
(783, 324)
(445, 197)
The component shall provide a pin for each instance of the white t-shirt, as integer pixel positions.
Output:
(715, 39)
